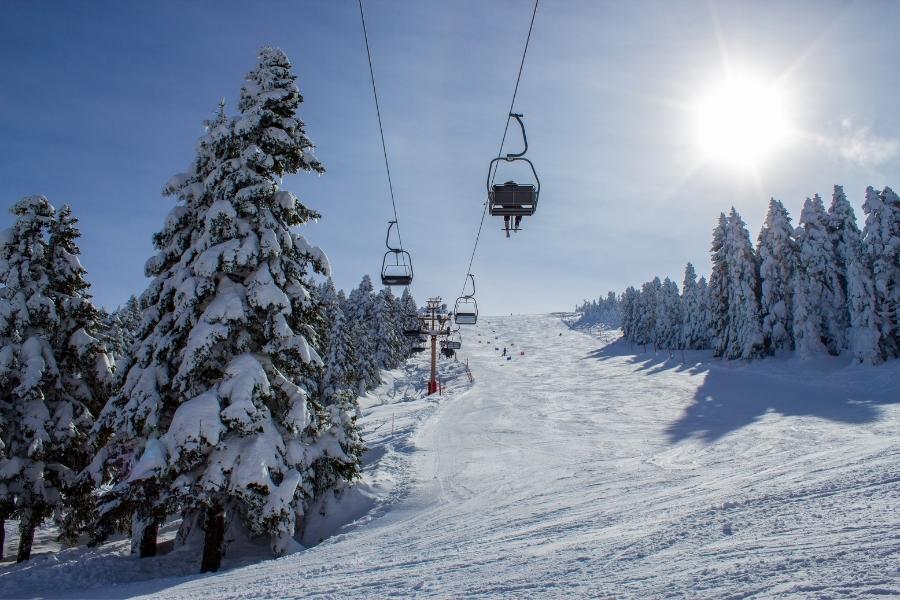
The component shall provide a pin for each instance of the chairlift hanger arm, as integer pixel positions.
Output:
(387, 238)
(514, 155)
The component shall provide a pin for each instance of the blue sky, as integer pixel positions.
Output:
(102, 102)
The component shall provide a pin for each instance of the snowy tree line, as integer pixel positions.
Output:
(823, 287)
(601, 312)
(226, 393)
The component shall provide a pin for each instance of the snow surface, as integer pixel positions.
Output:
(578, 468)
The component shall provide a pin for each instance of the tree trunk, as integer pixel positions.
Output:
(212, 543)
(148, 539)
(2, 534)
(26, 536)
(144, 530)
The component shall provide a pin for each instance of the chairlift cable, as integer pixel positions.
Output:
(387, 166)
(502, 142)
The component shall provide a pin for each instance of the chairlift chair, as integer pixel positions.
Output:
(453, 341)
(512, 200)
(396, 266)
(466, 310)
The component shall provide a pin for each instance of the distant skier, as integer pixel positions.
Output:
(504, 351)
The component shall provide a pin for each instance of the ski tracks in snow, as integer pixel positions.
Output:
(576, 468)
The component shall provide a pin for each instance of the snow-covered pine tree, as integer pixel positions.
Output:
(863, 333)
(398, 318)
(856, 309)
(882, 243)
(387, 338)
(646, 329)
(119, 331)
(129, 453)
(28, 489)
(130, 315)
(693, 328)
(84, 363)
(669, 320)
(743, 333)
(705, 335)
(360, 311)
(226, 434)
(812, 303)
(85, 367)
(777, 252)
(630, 307)
(611, 311)
(408, 320)
(337, 393)
(718, 291)
(50, 366)
(841, 226)
(605, 312)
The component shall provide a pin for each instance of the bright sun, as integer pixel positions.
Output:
(742, 121)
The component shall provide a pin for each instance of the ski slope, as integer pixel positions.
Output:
(580, 468)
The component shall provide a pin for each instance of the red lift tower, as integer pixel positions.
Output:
(435, 322)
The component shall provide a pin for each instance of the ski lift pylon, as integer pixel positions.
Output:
(397, 271)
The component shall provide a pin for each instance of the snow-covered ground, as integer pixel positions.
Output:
(582, 468)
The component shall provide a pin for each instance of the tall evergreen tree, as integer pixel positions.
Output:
(53, 372)
(882, 244)
(409, 320)
(777, 253)
(813, 307)
(139, 414)
(743, 333)
(706, 329)
(842, 231)
(360, 312)
(28, 487)
(669, 319)
(123, 327)
(854, 304)
(630, 307)
(387, 334)
(693, 330)
(718, 296)
(863, 319)
(337, 393)
(646, 331)
(85, 366)
(212, 405)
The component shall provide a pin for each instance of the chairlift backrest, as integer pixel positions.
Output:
(398, 270)
(466, 310)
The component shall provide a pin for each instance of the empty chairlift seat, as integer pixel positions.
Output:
(396, 266)
(465, 312)
(397, 273)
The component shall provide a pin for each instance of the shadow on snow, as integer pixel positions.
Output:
(735, 394)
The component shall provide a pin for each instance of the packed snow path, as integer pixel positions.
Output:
(584, 469)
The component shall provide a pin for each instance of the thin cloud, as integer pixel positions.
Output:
(860, 145)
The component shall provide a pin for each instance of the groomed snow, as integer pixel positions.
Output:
(579, 469)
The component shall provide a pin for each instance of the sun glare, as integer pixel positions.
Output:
(742, 121)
